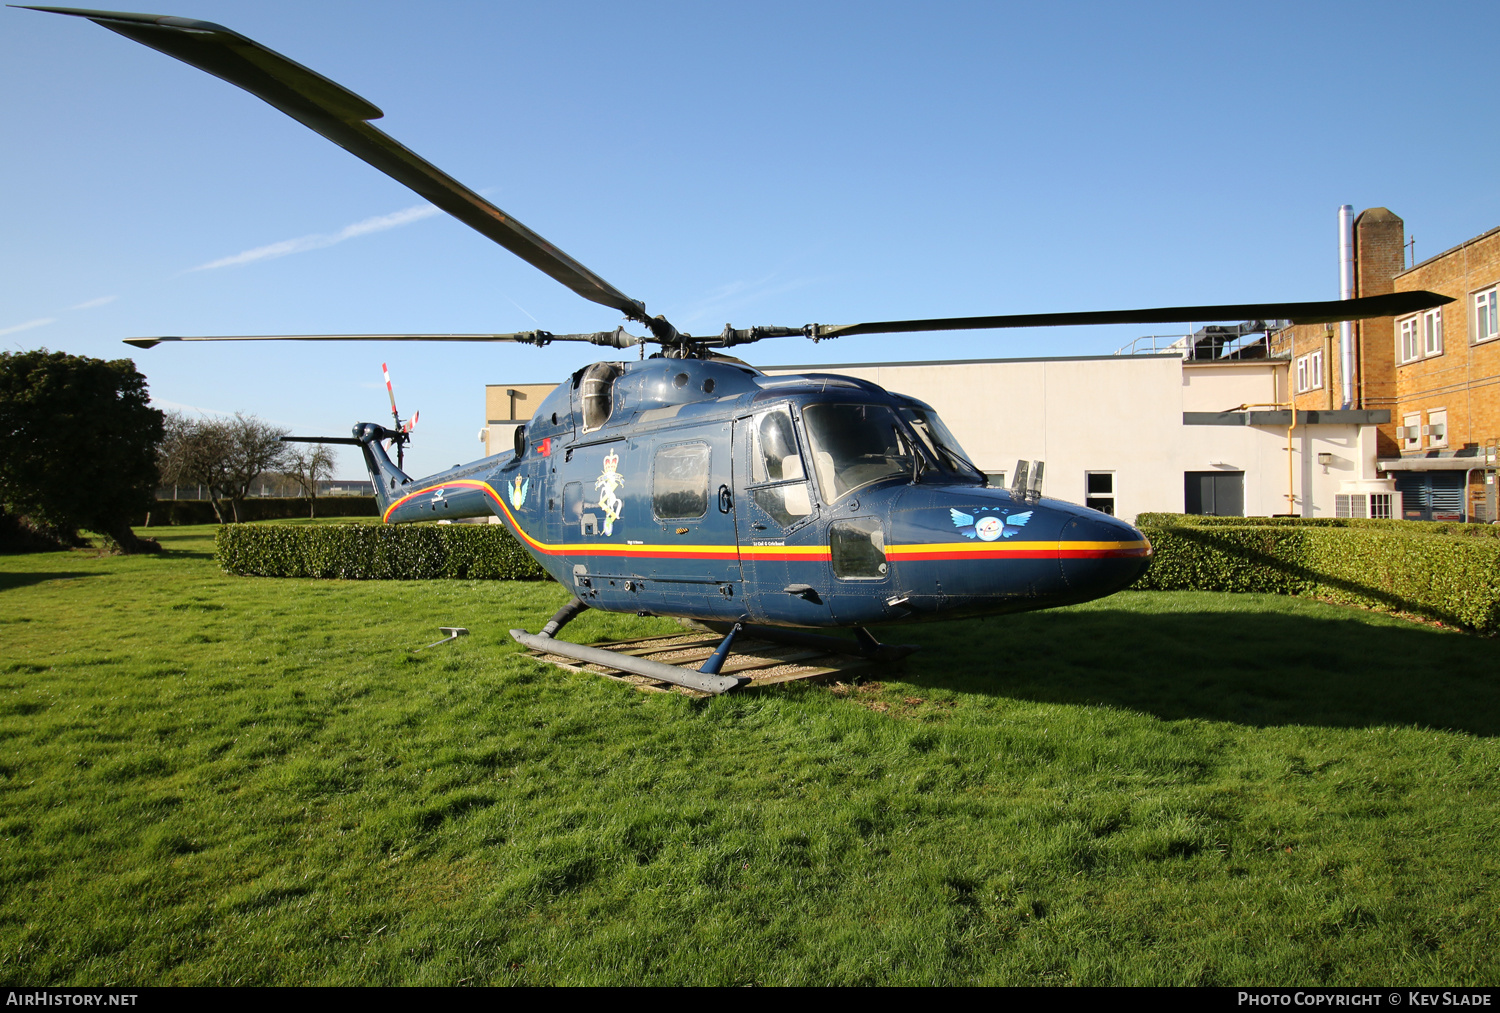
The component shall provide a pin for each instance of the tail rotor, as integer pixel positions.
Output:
(401, 431)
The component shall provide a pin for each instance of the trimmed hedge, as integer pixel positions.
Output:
(258, 508)
(1160, 520)
(1455, 580)
(375, 552)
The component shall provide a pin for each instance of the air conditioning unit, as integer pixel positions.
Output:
(1367, 505)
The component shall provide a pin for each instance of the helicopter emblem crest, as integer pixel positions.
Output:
(517, 491)
(608, 482)
(990, 525)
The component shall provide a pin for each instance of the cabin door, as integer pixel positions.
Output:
(783, 555)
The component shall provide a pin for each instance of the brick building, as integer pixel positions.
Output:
(1436, 372)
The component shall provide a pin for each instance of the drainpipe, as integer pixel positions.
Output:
(1291, 498)
(1291, 402)
(1346, 291)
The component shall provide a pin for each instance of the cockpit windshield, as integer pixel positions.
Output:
(939, 442)
(855, 445)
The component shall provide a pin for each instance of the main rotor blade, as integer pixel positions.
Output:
(1394, 304)
(339, 115)
(618, 338)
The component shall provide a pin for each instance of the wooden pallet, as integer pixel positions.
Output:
(763, 662)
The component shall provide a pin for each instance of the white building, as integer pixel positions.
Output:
(1136, 433)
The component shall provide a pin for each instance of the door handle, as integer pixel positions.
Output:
(726, 499)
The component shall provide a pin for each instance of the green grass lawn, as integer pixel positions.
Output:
(213, 779)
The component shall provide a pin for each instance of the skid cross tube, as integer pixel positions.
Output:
(684, 677)
(705, 681)
(866, 646)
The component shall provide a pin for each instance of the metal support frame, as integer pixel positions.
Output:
(707, 680)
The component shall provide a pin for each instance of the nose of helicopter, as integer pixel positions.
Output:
(1100, 555)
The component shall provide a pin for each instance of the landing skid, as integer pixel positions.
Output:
(761, 656)
(706, 679)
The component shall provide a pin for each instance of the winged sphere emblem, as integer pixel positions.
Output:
(989, 526)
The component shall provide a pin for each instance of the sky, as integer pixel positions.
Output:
(760, 164)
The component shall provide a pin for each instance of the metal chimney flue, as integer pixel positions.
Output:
(1346, 291)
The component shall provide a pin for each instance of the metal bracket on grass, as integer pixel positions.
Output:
(454, 632)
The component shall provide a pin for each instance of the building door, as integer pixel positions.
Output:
(1216, 493)
(1431, 495)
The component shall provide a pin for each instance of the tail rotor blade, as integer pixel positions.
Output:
(390, 390)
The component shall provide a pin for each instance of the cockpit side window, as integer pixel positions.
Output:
(774, 458)
(856, 445)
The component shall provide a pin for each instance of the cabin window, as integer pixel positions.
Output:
(598, 389)
(855, 445)
(858, 549)
(679, 481)
(774, 458)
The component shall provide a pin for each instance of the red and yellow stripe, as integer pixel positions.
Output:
(1020, 550)
(792, 553)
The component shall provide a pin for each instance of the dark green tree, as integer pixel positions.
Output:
(78, 440)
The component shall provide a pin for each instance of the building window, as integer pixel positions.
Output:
(1310, 372)
(1432, 332)
(1420, 337)
(1437, 428)
(1486, 316)
(1410, 433)
(1409, 349)
(1099, 491)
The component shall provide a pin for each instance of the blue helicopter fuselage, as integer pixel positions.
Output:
(709, 490)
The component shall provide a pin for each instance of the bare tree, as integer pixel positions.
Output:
(196, 452)
(307, 468)
(255, 447)
(225, 456)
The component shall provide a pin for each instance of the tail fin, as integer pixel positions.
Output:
(389, 481)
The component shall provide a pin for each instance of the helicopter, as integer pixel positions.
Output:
(690, 484)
